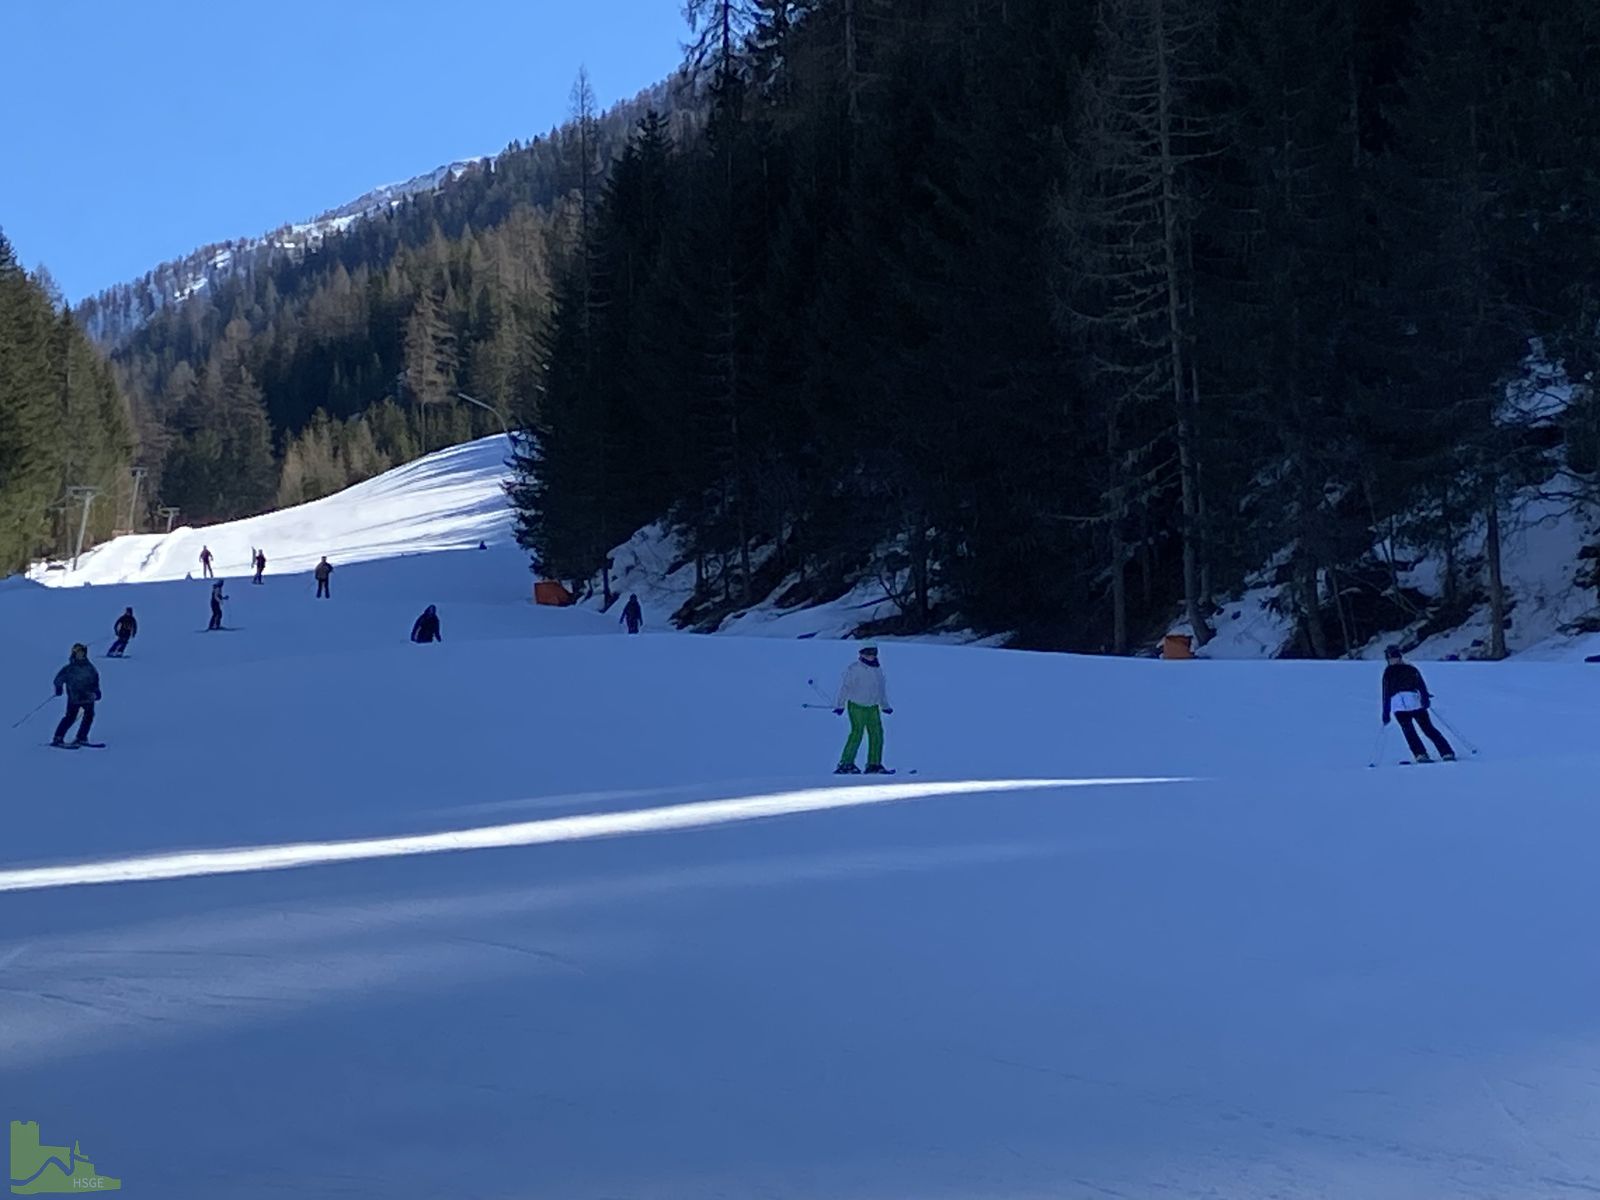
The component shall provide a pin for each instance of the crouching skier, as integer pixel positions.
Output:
(125, 629)
(426, 628)
(81, 682)
(1405, 692)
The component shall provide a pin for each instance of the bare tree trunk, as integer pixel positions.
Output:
(1497, 591)
(1346, 628)
(1147, 582)
(1305, 580)
(1169, 214)
(1450, 569)
(852, 79)
(1119, 551)
(1119, 592)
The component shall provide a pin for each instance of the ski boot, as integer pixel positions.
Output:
(878, 769)
(1423, 758)
(1447, 758)
(847, 769)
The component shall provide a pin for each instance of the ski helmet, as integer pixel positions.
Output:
(1391, 651)
(79, 650)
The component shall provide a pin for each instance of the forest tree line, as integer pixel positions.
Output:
(1065, 315)
(63, 424)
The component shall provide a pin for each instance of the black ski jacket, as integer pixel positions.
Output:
(125, 627)
(1403, 677)
(80, 680)
(427, 627)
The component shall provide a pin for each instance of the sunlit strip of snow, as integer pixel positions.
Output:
(241, 860)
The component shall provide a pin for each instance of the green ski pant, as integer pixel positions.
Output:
(864, 719)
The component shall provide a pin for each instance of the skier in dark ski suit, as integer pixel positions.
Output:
(632, 614)
(427, 627)
(205, 561)
(81, 682)
(260, 565)
(322, 574)
(1405, 692)
(125, 629)
(216, 605)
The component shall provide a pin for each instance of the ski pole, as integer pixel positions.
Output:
(31, 711)
(1377, 746)
(821, 695)
(1460, 737)
(824, 707)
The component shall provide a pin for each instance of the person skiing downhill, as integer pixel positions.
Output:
(216, 605)
(125, 629)
(864, 692)
(260, 564)
(427, 627)
(632, 614)
(1405, 692)
(205, 561)
(81, 682)
(322, 574)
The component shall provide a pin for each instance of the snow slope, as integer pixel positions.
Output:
(548, 911)
(449, 500)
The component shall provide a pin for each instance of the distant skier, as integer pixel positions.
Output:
(864, 691)
(216, 605)
(632, 614)
(205, 562)
(427, 627)
(1405, 692)
(322, 574)
(81, 682)
(260, 565)
(125, 629)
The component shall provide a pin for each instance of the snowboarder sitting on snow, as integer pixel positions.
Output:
(427, 627)
(864, 691)
(322, 574)
(632, 614)
(260, 565)
(1407, 694)
(81, 682)
(216, 605)
(125, 629)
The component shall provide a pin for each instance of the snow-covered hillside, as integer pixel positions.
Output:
(546, 910)
(450, 500)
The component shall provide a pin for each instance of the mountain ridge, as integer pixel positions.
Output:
(113, 313)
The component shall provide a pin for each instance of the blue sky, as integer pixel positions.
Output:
(158, 126)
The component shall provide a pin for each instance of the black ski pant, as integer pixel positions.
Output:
(216, 616)
(1410, 722)
(322, 589)
(73, 709)
(205, 569)
(117, 647)
(633, 626)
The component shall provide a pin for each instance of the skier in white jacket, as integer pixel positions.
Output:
(864, 691)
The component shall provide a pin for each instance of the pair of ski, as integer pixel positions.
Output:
(76, 745)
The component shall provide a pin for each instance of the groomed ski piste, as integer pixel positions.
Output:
(550, 911)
